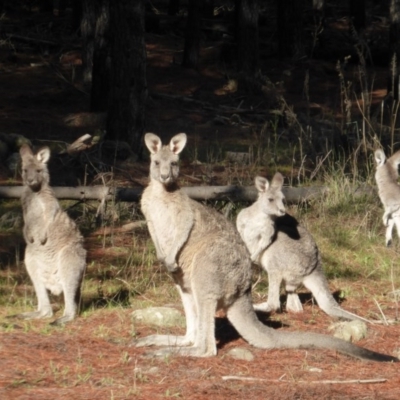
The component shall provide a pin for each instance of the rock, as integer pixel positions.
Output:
(240, 353)
(314, 369)
(351, 331)
(159, 316)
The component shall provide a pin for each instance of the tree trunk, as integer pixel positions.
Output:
(290, 28)
(76, 15)
(128, 90)
(192, 35)
(88, 24)
(358, 14)
(173, 7)
(208, 9)
(101, 72)
(319, 11)
(394, 47)
(247, 38)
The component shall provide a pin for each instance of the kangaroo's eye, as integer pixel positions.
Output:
(25, 171)
(38, 171)
(271, 200)
(174, 164)
(157, 162)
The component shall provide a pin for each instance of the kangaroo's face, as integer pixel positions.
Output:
(34, 167)
(164, 166)
(270, 195)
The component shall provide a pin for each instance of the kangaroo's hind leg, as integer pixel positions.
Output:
(191, 315)
(293, 302)
(204, 342)
(44, 309)
(72, 264)
(273, 303)
(200, 331)
(396, 219)
(389, 229)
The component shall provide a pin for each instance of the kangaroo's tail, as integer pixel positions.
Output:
(244, 319)
(318, 286)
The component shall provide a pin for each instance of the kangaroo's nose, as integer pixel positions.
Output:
(164, 177)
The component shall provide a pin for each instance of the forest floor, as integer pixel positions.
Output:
(40, 94)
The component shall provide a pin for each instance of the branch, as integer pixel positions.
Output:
(231, 193)
(326, 381)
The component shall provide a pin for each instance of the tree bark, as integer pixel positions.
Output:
(173, 7)
(207, 9)
(358, 14)
(192, 36)
(88, 25)
(128, 90)
(76, 15)
(290, 28)
(248, 59)
(101, 73)
(394, 37)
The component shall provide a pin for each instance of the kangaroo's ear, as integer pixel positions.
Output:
(25, 150)
(261, 184)
(380, 157)
(277, 181)
(178, 143)
(43, 155)
(153, 142)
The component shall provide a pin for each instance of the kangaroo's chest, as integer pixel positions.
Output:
(163, 215)
(34, 207)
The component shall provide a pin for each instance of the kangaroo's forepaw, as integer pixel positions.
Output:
(172, 266)
(43, 240)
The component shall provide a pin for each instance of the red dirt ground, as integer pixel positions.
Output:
(91, 357)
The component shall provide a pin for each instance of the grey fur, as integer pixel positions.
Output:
(389, 191)
(54, 255)
(211, 268)
(285, 250)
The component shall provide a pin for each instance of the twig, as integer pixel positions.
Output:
(361, 318)
(326, 381)
(30, 40)
(380, 310)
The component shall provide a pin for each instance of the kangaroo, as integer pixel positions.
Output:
(285, 250)
(54, 255)
(389, 191)
(211, 268)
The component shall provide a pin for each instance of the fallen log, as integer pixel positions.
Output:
(200, 193)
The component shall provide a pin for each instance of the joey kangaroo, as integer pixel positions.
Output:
(211, 268)
(285, 249)
(54, 255)
(388, 190)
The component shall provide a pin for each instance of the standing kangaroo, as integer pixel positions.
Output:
(54, 255)
(211, 268)
(389, 190)
(286, 250)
